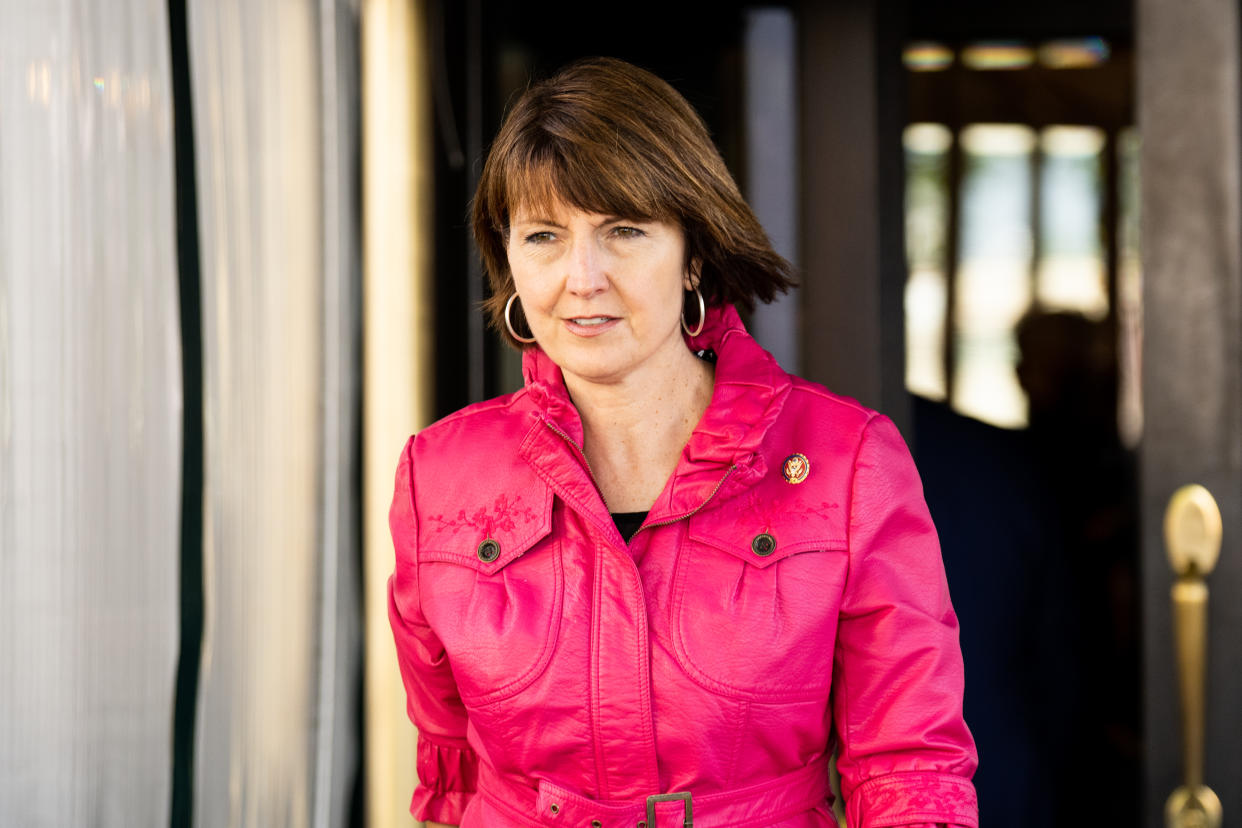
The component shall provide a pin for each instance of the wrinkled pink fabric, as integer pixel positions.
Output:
(570, 675)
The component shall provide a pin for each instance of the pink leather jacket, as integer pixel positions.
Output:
(704, 671)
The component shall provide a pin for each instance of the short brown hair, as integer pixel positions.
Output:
(608, 137)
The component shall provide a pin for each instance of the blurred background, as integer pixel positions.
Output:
(235, 275)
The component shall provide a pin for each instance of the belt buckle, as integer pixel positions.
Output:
(684, 796)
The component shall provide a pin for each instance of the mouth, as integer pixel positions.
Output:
(587, 326)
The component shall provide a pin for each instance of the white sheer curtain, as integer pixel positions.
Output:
(273, 96)
(91, 411)
(90, 414)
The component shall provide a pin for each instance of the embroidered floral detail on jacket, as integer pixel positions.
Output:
(770, 511)
(933, 797)
(505, 515)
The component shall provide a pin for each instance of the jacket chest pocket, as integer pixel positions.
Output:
(493, 597)
(754, 610)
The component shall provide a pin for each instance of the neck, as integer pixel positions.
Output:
(635, 429)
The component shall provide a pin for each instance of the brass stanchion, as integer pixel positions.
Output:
(1192, 534)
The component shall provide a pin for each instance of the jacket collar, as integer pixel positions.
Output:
(723, 454)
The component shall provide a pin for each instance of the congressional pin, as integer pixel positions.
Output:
(795, 468)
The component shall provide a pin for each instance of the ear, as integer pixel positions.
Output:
(693, 274)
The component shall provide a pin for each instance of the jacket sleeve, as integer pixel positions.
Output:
(447, 766)
(906, 756)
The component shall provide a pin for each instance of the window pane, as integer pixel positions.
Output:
(1071, 272)
(993, 55)
(927, 209)
(1129, 292)
(927, 57)
(1074, 54)
(993, 280)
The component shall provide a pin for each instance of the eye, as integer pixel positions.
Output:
(625, 231)
(540, 237)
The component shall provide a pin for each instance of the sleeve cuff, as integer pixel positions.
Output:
(912, 799)
(446, 808)
(447, 777)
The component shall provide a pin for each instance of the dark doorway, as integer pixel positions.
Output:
(1023, 308)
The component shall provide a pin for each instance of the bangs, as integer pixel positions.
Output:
(592, 178)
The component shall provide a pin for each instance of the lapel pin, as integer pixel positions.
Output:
(795, 468)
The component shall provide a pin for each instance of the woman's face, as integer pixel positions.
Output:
(602, 294)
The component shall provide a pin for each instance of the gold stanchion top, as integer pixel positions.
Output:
(1192, 531)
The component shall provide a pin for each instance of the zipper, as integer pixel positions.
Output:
(585, 461)
(693, 511)
(657, 524)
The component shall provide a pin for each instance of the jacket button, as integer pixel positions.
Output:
(595, 823)
(763, 545)
(489, 550)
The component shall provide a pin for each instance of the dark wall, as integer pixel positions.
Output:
(961, 20)
(1188, 64)
(852, 204)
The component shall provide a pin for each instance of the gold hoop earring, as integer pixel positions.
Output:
(509, 324)
(698, 329)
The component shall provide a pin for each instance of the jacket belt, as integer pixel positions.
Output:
(543, 803)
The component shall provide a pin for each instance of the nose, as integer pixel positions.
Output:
(586, 275)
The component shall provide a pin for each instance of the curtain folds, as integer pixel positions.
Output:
(273, 100)
(90, 414)
(91, 406)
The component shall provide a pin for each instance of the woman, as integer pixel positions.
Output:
(664, 581)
